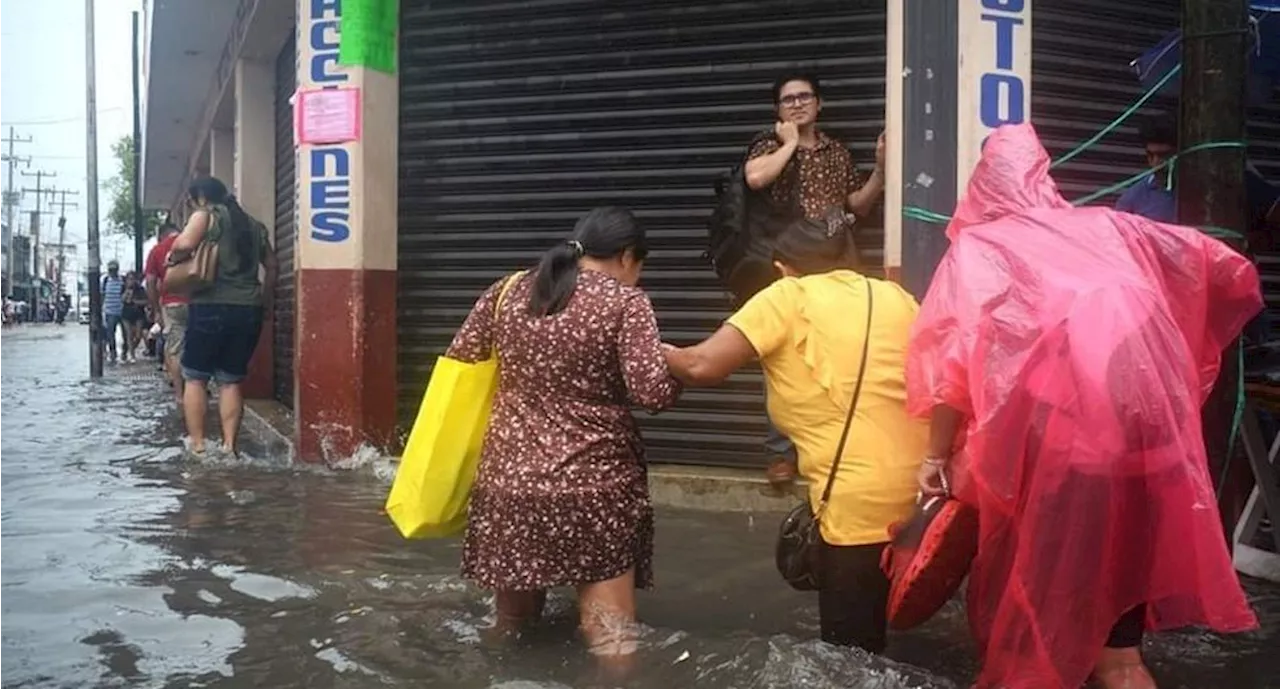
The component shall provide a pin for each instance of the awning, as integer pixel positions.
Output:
(186, 41)
(1264, 56)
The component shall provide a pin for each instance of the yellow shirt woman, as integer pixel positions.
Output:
(808, 333)
(808, 330)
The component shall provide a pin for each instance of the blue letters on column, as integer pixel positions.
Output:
(1001, 90)
(324, 52)
(330, 194)
(330, 166)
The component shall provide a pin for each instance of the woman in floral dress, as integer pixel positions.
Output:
(561, 498)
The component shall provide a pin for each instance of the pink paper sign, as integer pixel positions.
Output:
(327, 116)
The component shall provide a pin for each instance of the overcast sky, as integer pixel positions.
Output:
(42, 95)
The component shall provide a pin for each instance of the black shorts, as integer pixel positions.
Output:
(133, 314)
(220, 341)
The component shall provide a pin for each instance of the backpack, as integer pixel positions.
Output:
(743, 227)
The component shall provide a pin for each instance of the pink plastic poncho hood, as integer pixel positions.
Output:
(1011, 177)
(1080, 344)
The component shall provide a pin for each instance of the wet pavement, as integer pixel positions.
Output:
(128, 564)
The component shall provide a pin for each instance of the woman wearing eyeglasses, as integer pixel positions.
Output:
(802, 166)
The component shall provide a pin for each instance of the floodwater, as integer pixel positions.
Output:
(128, 564)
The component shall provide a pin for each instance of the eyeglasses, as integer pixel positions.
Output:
(795, 99)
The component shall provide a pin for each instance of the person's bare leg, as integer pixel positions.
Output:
(195, 405)
(111, 340)
(130, 341)
(1122, 668)
(607, 611)
(174, 369)
(231, 409)
(515, 611)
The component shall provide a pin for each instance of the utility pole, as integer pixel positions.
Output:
(1210, 189)
(39, 191)
(11, 196)
(91, 196)
(137, 155)
(62, 236)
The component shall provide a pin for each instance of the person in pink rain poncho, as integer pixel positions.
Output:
(1063, 355)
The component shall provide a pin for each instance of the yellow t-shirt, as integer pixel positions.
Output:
(809, 334)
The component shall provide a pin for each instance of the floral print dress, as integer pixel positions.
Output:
(561, 497)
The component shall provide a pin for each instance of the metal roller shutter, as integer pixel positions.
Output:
(285, 223)
(517, 117)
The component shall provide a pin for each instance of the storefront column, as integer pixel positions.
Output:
(955, 72)
(255, 186)
(202, 165)
(345, 357)
(222, 154)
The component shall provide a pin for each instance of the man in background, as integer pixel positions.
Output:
(113, 308)
(1154, 198)
(170, 309)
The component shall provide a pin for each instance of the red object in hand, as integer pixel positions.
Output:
(928, 559)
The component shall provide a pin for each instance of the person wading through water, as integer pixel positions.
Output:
(225, 318)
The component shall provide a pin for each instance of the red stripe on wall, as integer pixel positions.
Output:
(345, 362)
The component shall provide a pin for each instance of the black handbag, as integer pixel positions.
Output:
(799, 536)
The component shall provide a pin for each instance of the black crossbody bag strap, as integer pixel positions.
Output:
(853, 406)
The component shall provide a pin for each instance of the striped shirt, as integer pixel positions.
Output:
(112, 295)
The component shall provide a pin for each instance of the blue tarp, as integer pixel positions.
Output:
(1264, 56)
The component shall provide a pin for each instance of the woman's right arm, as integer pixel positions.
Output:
(709, 362)
(938, 363)
(756, 330)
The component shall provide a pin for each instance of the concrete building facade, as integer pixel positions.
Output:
(503, 122)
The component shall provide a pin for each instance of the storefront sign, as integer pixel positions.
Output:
(995, 73)
(322, 39)
(955, 71)
(330, 193)
(326, 125)
(1002, 91)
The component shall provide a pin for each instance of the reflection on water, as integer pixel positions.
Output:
(127, 564)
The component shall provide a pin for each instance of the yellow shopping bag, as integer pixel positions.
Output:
(433, 483)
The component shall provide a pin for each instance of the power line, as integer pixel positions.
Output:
(40, 190)
(67, 120)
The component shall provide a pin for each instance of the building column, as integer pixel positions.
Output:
(254, 182)
(955, 72)
(202, 166)
(345, 359)
(222, 147)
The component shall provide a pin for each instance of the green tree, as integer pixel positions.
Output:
(120, 186)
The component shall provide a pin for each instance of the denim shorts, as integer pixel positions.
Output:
(220, 341)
